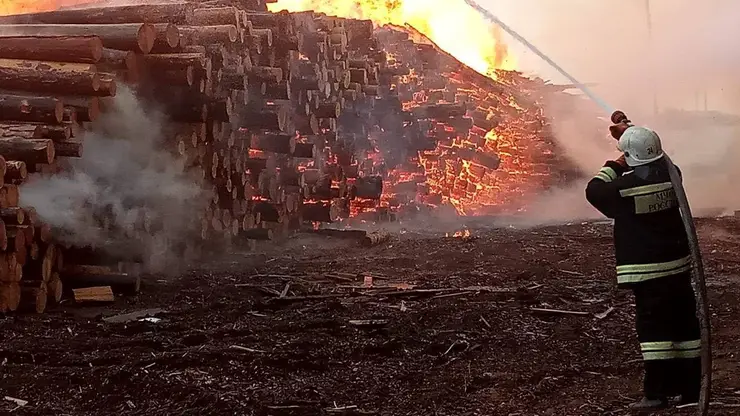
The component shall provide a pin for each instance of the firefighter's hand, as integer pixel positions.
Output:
(617, 130)
(622, 162)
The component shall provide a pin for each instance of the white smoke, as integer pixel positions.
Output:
(688, 65)
(124, 192)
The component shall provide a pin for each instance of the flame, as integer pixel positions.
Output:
(10, 7)
(459, 234)
(451, 24)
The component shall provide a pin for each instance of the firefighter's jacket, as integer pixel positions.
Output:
(649, 237)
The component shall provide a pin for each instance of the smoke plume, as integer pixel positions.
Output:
(125, 194)
(686, 66)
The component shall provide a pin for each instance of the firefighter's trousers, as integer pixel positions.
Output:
(669, 335)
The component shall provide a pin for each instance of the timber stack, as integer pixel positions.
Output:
(288, 120)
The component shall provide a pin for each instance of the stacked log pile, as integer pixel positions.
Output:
(483, 144)
(288, 120)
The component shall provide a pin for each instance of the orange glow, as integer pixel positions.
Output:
(451, 24)
(9, 7)
(459, 234)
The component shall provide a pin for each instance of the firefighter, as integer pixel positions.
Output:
(653, 260)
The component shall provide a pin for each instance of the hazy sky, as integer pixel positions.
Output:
(696, 47)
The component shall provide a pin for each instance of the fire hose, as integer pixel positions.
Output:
(697, 271)
(697, 275)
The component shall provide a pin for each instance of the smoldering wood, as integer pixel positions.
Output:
(369, 187)
(317, 212)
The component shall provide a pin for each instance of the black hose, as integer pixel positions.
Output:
(700, 288)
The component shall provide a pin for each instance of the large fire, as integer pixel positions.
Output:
(9, 7)
(451, 24)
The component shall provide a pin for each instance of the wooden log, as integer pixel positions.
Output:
(276, 143)
(167, 38)
(317, 212)
(123, 36)
(168, 61)
(81, 276)
(84, 49)
(490, 161)
(214, 34)
(54, 133)
(15, 170)
(27, 131)
(12, 216)
(306, 125)
(26, 229)
(277, 91)
(268, 211)
(54, 288)
(121, 60)
(269, 74)
(108, 88)
(215, 16)
(367, 187)
(31, 109)
(328, 110)
(179, 12)
(47, 77)
(375, 238)
(275, 118)
(10, 297)
(182, 76)
(304, 150)
(221, 110)
(262, 234)
(97, 294)
(183, 105)
(233, 80)
(86, 108)
(440, 111)
(41, 268)
(10, 267)
(27, 150)
(33, 299)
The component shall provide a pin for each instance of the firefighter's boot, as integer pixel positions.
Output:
(649, 405)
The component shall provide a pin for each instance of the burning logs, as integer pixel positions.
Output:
(285, 120)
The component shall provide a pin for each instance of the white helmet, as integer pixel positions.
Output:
(640, 146)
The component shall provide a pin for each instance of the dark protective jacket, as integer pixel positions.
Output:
(649, 237)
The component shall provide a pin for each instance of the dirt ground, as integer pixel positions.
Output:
(295, 332)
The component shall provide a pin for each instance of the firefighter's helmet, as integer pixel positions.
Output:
(640, 146)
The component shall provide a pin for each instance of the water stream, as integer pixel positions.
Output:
(586, 90)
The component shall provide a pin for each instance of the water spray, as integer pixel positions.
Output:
(697, 273)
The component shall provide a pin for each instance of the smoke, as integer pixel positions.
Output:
(688, 67)
(124, 194)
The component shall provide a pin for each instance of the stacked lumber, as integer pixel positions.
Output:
(480, 143)
(287, 120)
